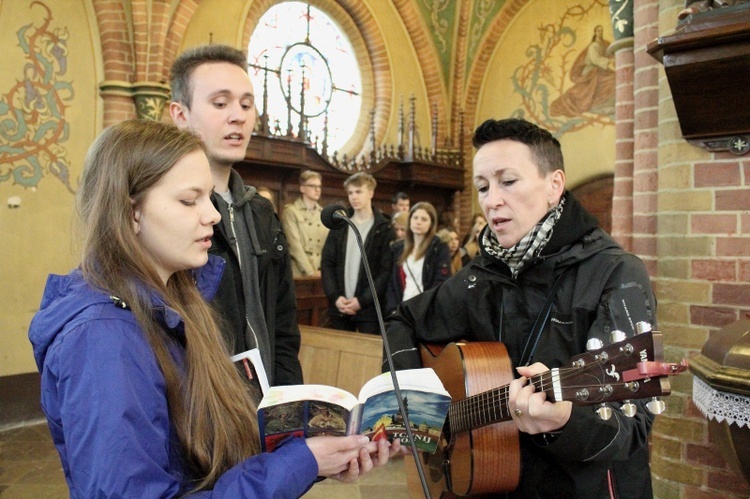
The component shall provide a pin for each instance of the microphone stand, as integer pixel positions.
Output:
(387, 349)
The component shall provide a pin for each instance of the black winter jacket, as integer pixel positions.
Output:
(435, 269)
(276, 284)
(591, 458)
(379, 256)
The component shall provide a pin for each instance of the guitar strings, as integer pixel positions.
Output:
(491, 406)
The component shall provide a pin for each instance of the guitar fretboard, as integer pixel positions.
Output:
(488, 407)
(590, 378)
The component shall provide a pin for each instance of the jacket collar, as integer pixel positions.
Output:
(241, 193)
(207, 279)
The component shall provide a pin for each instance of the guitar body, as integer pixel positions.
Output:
(482, 460)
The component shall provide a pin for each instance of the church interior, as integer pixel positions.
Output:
(647, 98)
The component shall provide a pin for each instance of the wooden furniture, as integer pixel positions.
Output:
(707, 63)
(724, 365)
(312, 305)
(339, 358)
(276, 163)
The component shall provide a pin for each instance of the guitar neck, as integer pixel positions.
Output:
(630, 369)
(479, 410)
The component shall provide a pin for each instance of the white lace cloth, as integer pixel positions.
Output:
(721, 406)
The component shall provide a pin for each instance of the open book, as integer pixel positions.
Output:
(310, 410)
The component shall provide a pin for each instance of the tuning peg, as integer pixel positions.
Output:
(616, 336)
(629, 408)
(642, 327)
(656, 406)
(594, 344)
(605, 412)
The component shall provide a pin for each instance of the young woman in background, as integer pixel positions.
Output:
(421, 260)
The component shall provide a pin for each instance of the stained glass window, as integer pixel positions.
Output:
(296, 46)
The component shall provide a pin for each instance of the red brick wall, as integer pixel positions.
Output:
(702, 251)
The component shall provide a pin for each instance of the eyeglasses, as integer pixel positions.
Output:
(312, 186)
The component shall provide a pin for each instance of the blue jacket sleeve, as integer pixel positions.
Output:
(105, 400)
(287, 472)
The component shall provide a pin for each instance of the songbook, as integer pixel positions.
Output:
(312, 410)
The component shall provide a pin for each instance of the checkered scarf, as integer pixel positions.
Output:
(528, 247)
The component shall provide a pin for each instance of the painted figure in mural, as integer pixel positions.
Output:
(593, 89)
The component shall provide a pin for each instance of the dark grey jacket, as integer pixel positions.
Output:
(275, 281)
(377, 246)
(483, 303)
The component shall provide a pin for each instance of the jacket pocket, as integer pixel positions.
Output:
(279, 247)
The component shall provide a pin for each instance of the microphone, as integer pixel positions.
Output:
(334, 217)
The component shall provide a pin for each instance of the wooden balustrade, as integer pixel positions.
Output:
(339, 358)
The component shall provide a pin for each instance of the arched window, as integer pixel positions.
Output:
(309, 68)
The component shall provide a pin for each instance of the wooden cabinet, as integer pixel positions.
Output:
(707, 63)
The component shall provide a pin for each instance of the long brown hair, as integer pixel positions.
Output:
(209, 405)
(409, 238)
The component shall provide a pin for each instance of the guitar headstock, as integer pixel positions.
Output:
(629, 369)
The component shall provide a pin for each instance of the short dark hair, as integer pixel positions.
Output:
(545, 148)
(185, 64)
(399, 195)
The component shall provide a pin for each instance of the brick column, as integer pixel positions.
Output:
(622, 201)
(645, 134)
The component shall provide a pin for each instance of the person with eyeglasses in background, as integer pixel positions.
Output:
(304, 231)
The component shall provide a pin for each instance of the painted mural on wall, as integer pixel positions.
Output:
(483, 12)
(440, 16)
(32, 111)
(621, 12)
(562, 88)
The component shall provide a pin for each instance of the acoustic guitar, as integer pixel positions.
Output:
(479, 450)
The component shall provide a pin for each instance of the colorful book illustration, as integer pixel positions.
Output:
(311, 410)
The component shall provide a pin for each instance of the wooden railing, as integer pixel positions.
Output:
(339, 358)
(312, 304)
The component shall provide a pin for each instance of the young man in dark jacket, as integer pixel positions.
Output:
(547, 281)
(213, 96)
(351, 303)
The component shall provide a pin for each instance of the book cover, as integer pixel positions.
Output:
(312, 410)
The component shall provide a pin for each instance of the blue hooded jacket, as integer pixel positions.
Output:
(105, 400)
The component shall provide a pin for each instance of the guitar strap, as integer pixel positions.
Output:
(539, 324)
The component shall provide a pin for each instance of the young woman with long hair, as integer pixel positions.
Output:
(137, 386)
(459, 258)
(421, 260)
(471, 241)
